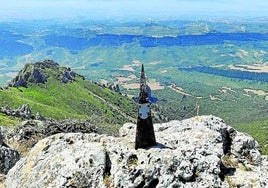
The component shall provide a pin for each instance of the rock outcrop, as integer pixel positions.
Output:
(197, 152)
(50, 126)
(8, 156)
(29, 128)
(61, 160)
(37, 74)
(28, 74)
(23, 112)
(29, 132)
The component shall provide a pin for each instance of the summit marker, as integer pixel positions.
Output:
(145, 136)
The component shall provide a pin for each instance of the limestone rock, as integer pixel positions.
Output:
(8, 156)
(29, 132)
(39, 117)
(23, 112)
(28, 74)
(1, 138)
(68, 75)
(36, 73)
(6, 110)
(197, 152)
(127, 130)
(29, 128)
(62, 160)
(246, 149)
(250, 175)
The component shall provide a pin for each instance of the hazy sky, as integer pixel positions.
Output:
(36, 9)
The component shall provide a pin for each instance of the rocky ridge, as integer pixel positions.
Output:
(63, 93)
(198, 152)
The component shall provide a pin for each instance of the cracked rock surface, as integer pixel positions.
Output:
(197, 152)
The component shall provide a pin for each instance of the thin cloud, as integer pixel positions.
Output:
(124, 8)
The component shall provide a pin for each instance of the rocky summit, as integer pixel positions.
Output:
(38, 73)
(198, 152)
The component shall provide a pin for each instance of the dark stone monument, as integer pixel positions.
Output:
(145, 131)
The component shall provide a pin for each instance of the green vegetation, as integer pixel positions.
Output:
(230, 182)
(80, 99)
(132, 161)
(205, 93)
(107, 181)
(8, 121)
(229, 162)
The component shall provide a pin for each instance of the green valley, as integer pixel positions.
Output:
(195, 67)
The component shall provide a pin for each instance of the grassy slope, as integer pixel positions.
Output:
(245, 113)
(236, 109)
(84, 99)
(8, 121)
(80, 99)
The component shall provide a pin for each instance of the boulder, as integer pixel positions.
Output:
(23, 111)
(68, 75)
(5, 109)
(47, 63)
(39, 117)
(197, 152)
(246, 149)
(8, 156)
(29, 132)
(62, 160)
(18, 81)
(1, 138)
(48, 127)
